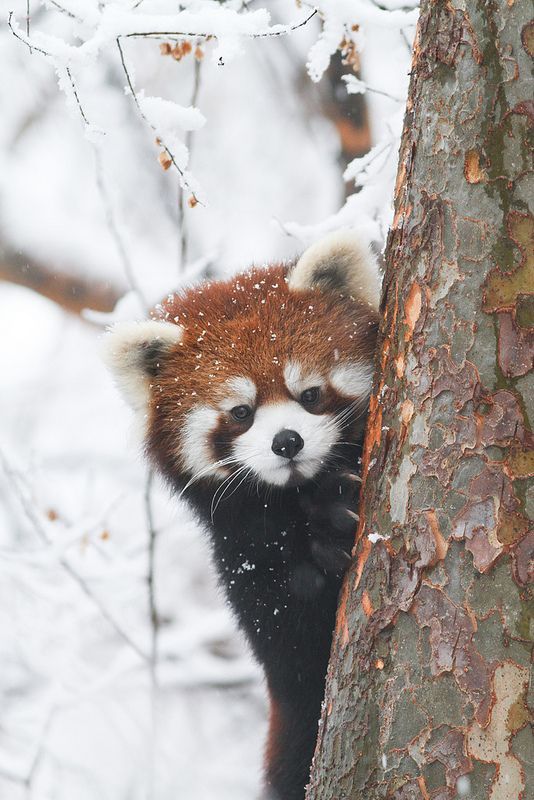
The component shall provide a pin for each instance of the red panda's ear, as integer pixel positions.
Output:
(134, 351)
(340, 262)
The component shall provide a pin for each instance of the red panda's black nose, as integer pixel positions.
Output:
(287, 444)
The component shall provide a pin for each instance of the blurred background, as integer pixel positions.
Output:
(122, 675)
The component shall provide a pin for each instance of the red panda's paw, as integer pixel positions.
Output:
(330, 556)
(332, 520)
(332, 507)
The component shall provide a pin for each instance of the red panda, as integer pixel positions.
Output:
(254, 393)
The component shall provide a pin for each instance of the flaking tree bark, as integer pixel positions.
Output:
(427, 689)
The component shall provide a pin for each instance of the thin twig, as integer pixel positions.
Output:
(384, 94)
(185, 184)
(75, 92)
(152, 604)
(154, 629)
(15, 479)
(115, 234)
(32, 47)
(407, 42)
(39, 750)
(184, 233)
(288, 30)
(380, 148)
(28, 20)
(183, 34)
(65, 11)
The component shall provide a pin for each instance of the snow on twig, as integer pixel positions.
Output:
(356, 86)
(342, 20)
(182, 220)
(357, 169)
(184, 179)
(111, 24)
(275, 30)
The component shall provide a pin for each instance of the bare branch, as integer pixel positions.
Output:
(184, 34)
(154, 628)
(64, 11)
(28, 20)
(289, 29)
(384, 94)
(75, 93)
(32, 47)
(71, 292)
(184, 181)
(184, 233)
(154, 616)
(28, 507)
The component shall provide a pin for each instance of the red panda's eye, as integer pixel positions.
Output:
(310, 396)
(241, 412)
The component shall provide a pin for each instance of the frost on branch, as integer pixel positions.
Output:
(361, 34)
(107, 27)
(343, 21)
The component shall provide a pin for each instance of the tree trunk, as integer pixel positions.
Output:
(427, 683)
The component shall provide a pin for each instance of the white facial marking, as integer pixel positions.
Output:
(195, 448)
(253, 448)
(353, 380)
(241, 391)
(297, 379)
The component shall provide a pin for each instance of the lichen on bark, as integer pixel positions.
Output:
(428, 679)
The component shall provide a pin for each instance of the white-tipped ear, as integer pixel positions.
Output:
(133, 351)
(340, 262)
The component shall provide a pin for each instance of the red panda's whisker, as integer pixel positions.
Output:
(359, 407)
(223, 462)
(241, 482)
(226, 485)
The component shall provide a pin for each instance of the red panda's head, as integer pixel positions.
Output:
(267, 375)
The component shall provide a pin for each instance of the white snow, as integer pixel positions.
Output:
(354, 84)
(375, 537)
(169, 117)
(463, 785)
(80, 718)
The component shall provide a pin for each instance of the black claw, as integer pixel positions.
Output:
(330, 557)
(343, 518)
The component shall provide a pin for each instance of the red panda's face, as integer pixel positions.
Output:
(253, 379)
(279, 425)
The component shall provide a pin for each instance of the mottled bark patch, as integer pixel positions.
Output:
(427, 678)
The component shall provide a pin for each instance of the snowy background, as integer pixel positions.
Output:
(122, 676)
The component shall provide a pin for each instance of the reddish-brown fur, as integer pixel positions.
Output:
(272, 746)
(251, 325)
